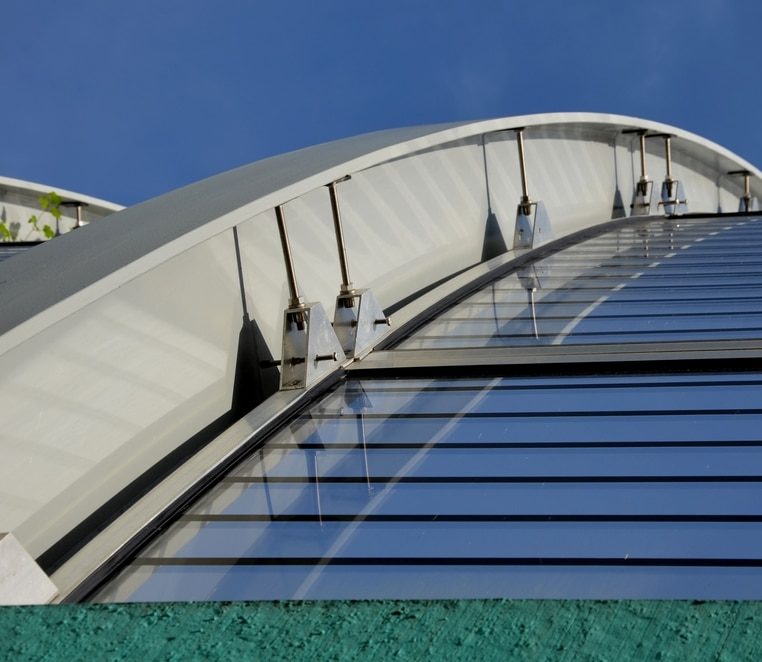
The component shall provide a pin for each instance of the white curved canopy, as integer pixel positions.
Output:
(119, 342)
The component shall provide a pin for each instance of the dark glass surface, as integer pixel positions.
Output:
(604, 487)
(665, 280)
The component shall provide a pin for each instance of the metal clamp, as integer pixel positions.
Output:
(310, 346)
(358, 318)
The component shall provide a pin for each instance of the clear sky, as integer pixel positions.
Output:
(125, 100)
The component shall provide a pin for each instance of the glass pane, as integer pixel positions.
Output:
(611, 486)
(665, 280)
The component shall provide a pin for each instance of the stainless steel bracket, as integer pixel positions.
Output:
(358, 318)
(642, 198)
(673, 197)
(358, 321)
(523, 235)
(310, 346)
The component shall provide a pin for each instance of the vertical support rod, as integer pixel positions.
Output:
(747, 191)
(77, 204)
(668, 156)
(525, 201)
(296, 300)
(746, 197)
(346, 283)
(643, 176)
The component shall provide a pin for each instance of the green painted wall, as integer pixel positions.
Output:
(477, 629)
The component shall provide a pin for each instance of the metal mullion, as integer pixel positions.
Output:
(662, 357)
(547, 318)
(550, 302)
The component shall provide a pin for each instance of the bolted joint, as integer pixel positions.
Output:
(333, 356)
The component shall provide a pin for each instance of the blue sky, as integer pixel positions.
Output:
(127, 100)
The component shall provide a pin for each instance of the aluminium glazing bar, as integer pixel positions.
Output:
(667, 356)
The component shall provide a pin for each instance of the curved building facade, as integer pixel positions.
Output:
(504, 358)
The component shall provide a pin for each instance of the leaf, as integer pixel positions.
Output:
(49, 233)
(43, 201)
(33, 221)
(54, 198)
(5, 232)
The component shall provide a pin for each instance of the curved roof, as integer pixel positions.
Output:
(130, 346)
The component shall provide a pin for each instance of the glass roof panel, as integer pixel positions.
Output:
(598, 486)
(660, 280)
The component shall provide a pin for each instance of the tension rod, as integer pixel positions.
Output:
(643, 182)
(526, 202)
(346, 283)
(296, 300)
(667, 152)
(642, 138)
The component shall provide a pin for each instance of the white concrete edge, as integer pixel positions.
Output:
(22, 581)
(42, 189)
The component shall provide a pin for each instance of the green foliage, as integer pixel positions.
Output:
(50, 204)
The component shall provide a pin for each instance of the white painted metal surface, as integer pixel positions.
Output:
(22, 581)
(119, 341)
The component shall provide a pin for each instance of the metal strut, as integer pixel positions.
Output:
(78, 205)
(642, 196)
(525, 205)
(346, 283)
(523, 233)
(672, 193)
(310, 347)
(746, 202)
(358, 319)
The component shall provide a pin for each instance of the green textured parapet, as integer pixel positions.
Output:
(475, 629)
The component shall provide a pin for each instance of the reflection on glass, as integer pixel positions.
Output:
(636, 486)
(665, 280)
